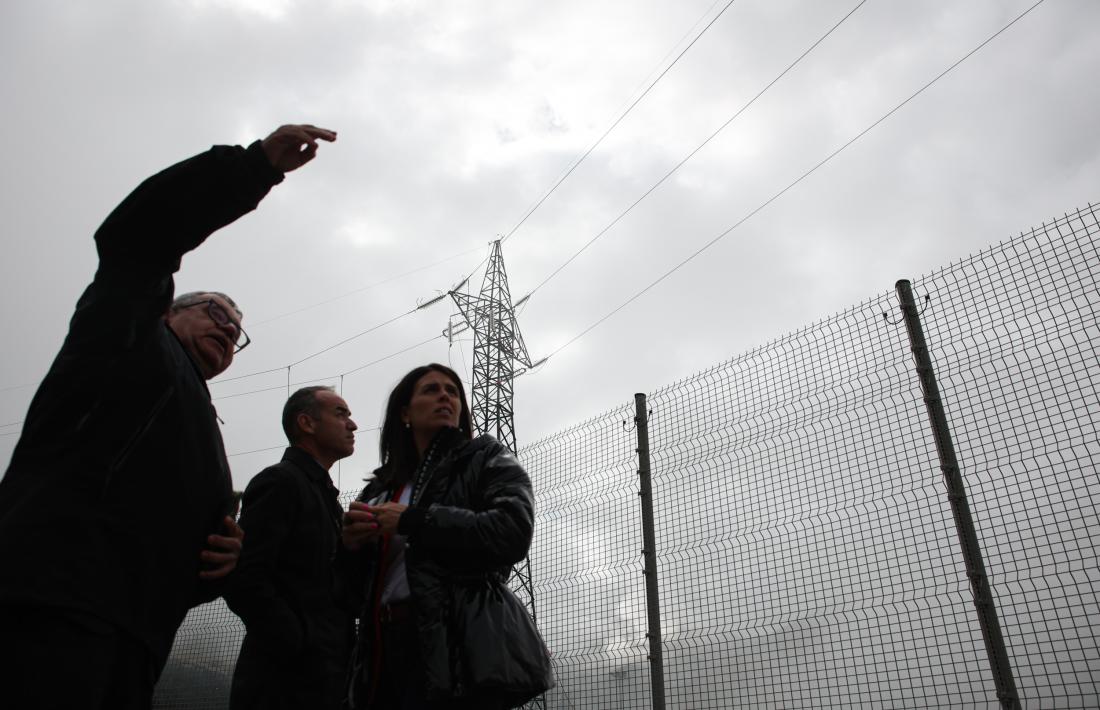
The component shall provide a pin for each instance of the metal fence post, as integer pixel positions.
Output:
(656, 658)
(960, 507)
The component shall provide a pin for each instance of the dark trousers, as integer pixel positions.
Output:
(57, 660)
(266, 680)
(400, 680)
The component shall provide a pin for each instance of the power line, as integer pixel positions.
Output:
(345, 341)
(690, 155)
(319, 352)
(673, 50)
(310, 307)
(299, 362)
(387, 357)
(306, 358)
(242, 394)
(324, 350)
(289, 384)
(330, 377)
(510, 233)
(802, 177)
(256, 451)
(251, 374)
(364, 288)
(283, 446)
(616, 122)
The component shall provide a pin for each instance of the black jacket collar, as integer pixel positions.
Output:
(307, 464)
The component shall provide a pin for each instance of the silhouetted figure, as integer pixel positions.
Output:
(427, 550)
(116, 510)
(295, 654)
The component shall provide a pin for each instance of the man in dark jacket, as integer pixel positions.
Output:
(115, 510)
(295, 654)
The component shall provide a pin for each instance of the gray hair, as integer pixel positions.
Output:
(304, 401)
(193, 297)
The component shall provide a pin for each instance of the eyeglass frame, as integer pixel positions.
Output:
(211, 304)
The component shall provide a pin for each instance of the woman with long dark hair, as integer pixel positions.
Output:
(428, 547)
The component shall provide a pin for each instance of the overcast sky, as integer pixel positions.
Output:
(456, 117)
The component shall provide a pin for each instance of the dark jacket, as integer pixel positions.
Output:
(120, 473)
(469, 523)
(296, 650)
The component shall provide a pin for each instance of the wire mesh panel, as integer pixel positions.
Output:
(808, 556)
(1015, 350)
(200, 668)
(586, 560)
(807, 553)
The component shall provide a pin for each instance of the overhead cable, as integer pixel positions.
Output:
(399, 352)
(311, 380)
(319, 352)
(25, 385)
(245, 377)
(483, 261)
(421, 306)
(616, 122)
(357, 335)
(364, 288)
(255, 451)
(283, 446)
(690, 155)
(802, 177)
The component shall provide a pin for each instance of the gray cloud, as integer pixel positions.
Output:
(455, 118)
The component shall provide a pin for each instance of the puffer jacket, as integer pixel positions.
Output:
(471, 520)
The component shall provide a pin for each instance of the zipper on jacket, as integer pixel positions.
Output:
(135, 439)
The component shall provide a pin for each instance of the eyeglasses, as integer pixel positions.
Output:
(220, 316)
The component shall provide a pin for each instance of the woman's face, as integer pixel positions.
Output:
(435, 403)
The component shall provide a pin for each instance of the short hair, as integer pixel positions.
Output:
(304, 401)
(193, 297)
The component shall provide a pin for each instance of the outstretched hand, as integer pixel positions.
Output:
(290, 147)
(223, 551)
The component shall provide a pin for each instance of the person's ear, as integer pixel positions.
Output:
(306, 425)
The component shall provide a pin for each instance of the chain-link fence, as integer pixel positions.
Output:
(807, 553)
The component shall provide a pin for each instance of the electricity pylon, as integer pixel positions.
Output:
(498, 347)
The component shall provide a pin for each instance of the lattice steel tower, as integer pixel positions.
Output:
(498, 347)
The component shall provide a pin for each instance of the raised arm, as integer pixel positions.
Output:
(142, 241)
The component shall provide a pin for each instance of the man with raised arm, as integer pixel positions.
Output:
(116, 510)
